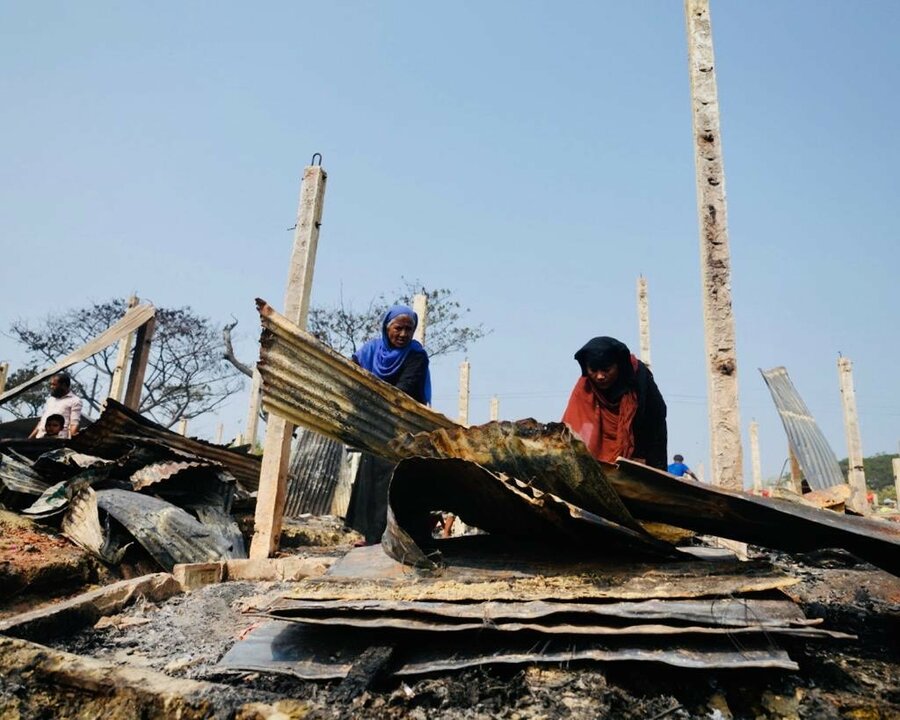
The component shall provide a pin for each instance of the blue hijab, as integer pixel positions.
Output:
(382, 359)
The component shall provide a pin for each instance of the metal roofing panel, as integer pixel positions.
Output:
(119, 427)
(313, 474)
(130, 321)
(312, 386)
(817, 459)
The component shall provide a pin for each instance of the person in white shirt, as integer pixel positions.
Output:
(62, 401)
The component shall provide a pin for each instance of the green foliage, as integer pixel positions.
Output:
(345, 329)
(879, 472)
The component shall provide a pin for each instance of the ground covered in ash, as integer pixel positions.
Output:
(188, 634)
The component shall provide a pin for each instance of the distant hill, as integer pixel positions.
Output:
(879, 473)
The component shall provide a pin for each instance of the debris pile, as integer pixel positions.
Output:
(132, 492)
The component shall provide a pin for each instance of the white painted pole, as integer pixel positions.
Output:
(464, 369)
(856, 476)
(276, 449)
(754, 458)
(4, 372)
(495, 408)
(895, 465)
(420, 306)
(252, 424)
(643, 304)
(721, 356)
(182, 427)
(220, 431)
(117, 384)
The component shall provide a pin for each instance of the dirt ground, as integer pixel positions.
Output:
(187, 635)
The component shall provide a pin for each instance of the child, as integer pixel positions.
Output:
(53, 427)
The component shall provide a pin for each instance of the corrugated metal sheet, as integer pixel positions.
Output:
(168, 533)
(328, 653)
(119, 428)
(314, 387)
(20, 485)
(313, 474)
(817, 460)
(130, 321)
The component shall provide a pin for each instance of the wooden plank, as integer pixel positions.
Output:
(135, 386)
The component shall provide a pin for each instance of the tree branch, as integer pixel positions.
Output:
(229, 349)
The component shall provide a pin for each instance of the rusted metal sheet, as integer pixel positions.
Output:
(817, 459)
(388, 622)
(497, 504)
(81, 525)
(313, 474)
(119, 429)
(314, 387)
(329, 653)
(168, 533)
(718, 612)
(130, 321)
(481, 572)
(655, 495)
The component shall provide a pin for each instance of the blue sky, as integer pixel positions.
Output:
(534, 157)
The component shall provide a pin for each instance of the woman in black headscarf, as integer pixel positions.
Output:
(615, 407)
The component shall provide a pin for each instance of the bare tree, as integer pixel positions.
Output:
(30, 403)
(186, 374)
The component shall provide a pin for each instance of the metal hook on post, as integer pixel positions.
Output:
(313, 161)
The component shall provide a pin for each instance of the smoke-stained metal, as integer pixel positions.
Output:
(817, 459)
(313, 474)
(20, 484)
(119, 429)
(314, 387)
(130, 321)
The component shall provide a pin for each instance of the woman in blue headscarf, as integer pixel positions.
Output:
(398, 359)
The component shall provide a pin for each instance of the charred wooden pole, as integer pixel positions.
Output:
(117, 384)
(721, 356)
(139, 359)
(755, 463)
(276, 449)
(495, 408)
(644, 319)
(856, 476)
(420, 306)
(464, 369)
(4, 372)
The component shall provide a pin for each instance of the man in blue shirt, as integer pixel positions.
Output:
(679, 468)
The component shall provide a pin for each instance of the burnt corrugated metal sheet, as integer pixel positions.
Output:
(313, 474)
(817, 460)
(119, 428)
(329, 653)
(168, 533)
(20, 485)
(130, 321)
(314, 387)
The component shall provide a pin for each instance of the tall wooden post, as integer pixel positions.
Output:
(644, 319)
(495, 408)
(142, 340)
(276, 449)
(4, 372)
(856, 476)
(721, 356)
(117, 384)
(796, 472)
(220, 431)
(182, 427)
(252, 425)
(754, 457)
(420, 306)
(464, 368)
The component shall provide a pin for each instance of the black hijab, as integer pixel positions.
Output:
(603, 352)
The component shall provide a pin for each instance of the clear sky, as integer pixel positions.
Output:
(534, 157)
